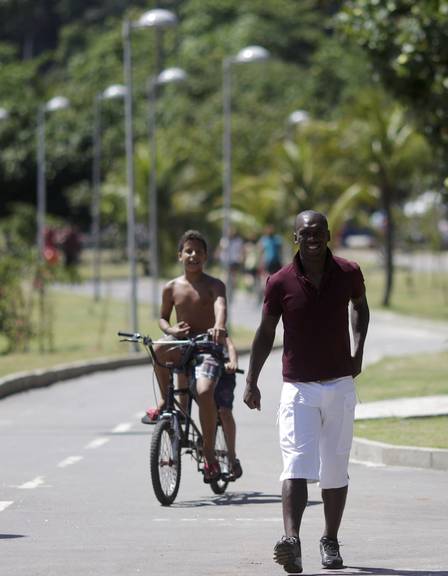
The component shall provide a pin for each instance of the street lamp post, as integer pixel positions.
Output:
(246, 55)
(56, 103)
(158, 19)
(113, 91)
(168, 76)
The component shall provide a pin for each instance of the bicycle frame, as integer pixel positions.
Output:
(186, 434)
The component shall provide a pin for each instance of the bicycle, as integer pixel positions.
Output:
(176, 432)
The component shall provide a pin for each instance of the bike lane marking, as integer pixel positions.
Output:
(31, 484)
(123, 427)
(219, 520)
(69, 461)
(5, 503)
(97, 443)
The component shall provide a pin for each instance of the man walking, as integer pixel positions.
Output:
(317, 295)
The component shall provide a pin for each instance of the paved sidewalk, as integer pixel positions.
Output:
(403, 408)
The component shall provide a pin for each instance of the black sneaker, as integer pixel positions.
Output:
(329, 551)
(287, 552)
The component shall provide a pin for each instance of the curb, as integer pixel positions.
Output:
(22, 381)
(364, 450)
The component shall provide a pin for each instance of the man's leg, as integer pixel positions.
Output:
(287, 551)
(334, 504)
(294, 501)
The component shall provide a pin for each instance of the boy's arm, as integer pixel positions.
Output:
(165, 309)
(232, 364)
(181, 328)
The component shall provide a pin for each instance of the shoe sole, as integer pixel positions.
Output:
(284, 556)
(333, 566)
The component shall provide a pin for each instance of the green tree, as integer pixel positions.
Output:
(407, 43)
(383, 150)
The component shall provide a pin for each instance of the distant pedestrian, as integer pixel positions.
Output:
(313, 295)
(70, 243)
(271, 250)
(231, 254)
(251, 263)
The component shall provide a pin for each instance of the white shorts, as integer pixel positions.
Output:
(316, 430)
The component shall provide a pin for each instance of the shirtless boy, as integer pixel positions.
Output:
(199, 301)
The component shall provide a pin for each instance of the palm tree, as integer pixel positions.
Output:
(386, 152)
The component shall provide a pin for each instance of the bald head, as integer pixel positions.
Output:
(308, 216)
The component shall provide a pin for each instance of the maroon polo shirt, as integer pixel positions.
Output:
(316, 338)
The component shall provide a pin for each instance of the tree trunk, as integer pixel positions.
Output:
(386, 195)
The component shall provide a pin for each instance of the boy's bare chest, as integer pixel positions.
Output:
(190, 296)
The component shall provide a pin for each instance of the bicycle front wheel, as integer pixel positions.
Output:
(219, 486)
(165, 462)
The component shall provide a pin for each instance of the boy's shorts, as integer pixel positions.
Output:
(224, 391)
(207, 367)
(316, 430)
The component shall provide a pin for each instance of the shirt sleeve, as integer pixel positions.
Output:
(358, 285)
(272, 305)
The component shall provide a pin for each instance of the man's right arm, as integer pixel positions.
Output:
(261, 347)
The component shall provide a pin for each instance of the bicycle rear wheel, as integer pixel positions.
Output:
(165, 462)
(219, 486)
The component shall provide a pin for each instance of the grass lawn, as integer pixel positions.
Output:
(420, 375)
(422, 432)
(416, 293)
(409, 376)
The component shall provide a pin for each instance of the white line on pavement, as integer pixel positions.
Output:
(123, 427)
(97, 442)
(273, 519)
(69, 461)
(38, 481)
(5, 504)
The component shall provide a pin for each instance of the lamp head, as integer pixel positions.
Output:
(298, 117)
(251, 54)
(171, 76)
(114, 91)
(57, 103)
(157, 18)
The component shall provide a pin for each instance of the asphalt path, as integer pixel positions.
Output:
(76, 497)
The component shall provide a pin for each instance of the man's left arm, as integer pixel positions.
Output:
(359, 320)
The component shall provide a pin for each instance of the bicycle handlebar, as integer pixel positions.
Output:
(201, 343)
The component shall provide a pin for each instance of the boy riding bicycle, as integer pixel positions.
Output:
(199, 301)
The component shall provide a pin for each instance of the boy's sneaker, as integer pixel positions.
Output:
(236, 471)
(329, 551)
(151, 416)
(211, 472)
(287, 552)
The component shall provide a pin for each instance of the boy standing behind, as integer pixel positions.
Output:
(199, 301)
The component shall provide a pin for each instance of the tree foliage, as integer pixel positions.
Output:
(407, 42)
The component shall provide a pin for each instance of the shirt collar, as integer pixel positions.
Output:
(300, 271)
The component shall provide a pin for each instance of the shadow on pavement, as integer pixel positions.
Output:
(11, 536)
(236, 499)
